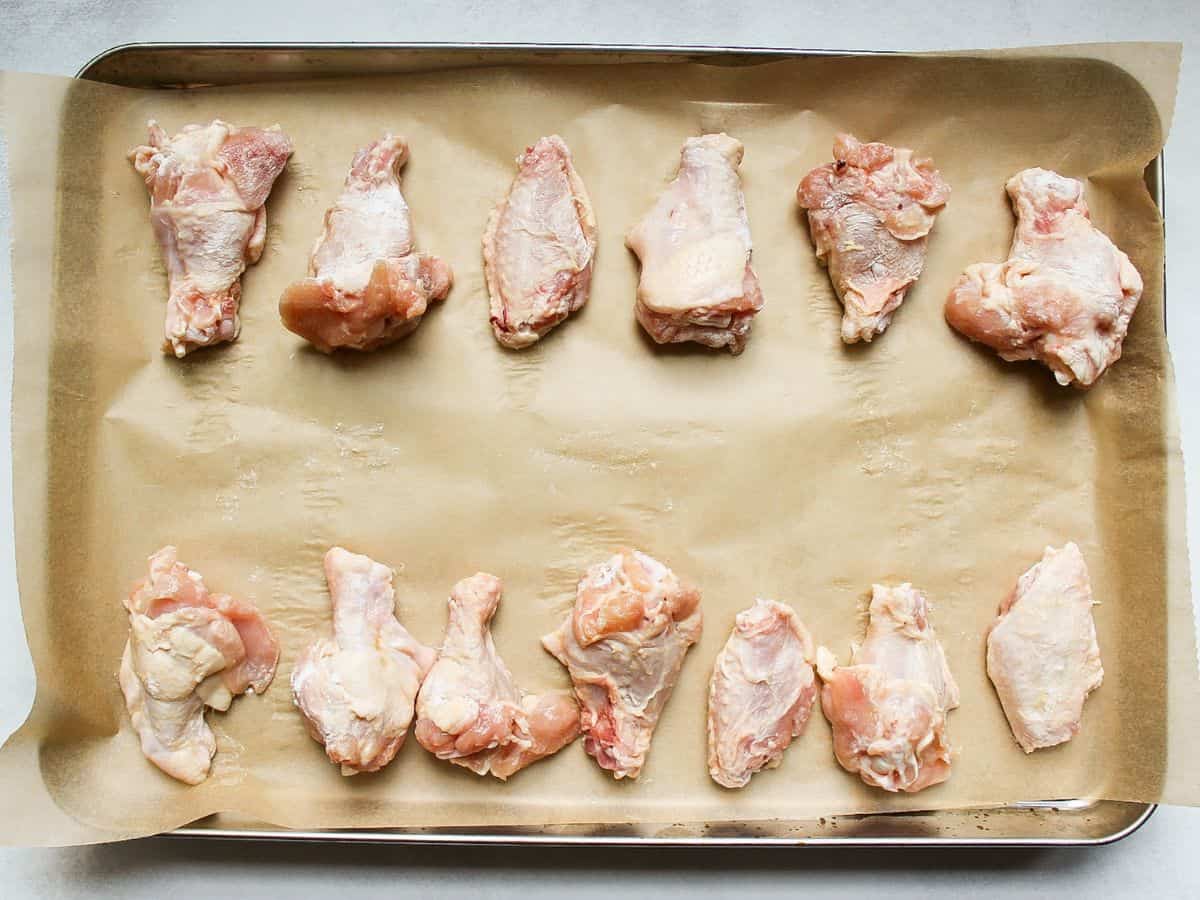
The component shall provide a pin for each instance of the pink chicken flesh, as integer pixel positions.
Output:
(208, 186)
(1042, 654)
(694, 245)
(870, 212)
(356, 690)
(188, 649)
(539, 246)
(470, 711)
(888, 707)
(761, 693)
(623, 645)
(367, 286)
(1064, 296)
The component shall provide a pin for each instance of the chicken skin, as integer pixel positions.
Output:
(208, 186)
(188, 649)
(367, 286)
(356, 690)
(623, 645)
(694, 245)
(470, 711)
(1042, 654)
(888, 707)
(539, 246)
(1064, 296)
(761, 694)
(870, 212)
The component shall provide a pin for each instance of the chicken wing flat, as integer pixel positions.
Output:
(870, 212)
(470, 711)
(888, 707)
(188, 649)
(623, 645)
(761, 693)
(694, 245)
(540, 246)
(1064, 296)
(1042, 654)
(367, 286)
(356, 690)
(208, 186)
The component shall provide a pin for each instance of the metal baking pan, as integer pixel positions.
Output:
(1036, 823)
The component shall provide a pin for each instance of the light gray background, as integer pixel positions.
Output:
(1161, 860)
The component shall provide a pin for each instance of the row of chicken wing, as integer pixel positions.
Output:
(623, 645)
(1065, 296)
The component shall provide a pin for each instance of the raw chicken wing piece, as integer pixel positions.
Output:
(539, 246)
(761, 694)
(623, 645)
(208, 186)
(470, 711)
(1064, 296)
(694, 245)
(1042, 654)
(356, 690)
(870, 212)
(888, 707)
(188, 649)
(367, 286)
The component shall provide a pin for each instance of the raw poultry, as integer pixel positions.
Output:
(623, 645)
(470, 710)
(356, 689)
(208, 186)
(888, 707)
(1042, 654)
(540, 246)
(697, 283)
(870, 212)
(188, 649)
(761, 693)
(367, 286)
(1064, 296)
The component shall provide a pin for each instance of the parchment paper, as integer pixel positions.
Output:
(803, 470)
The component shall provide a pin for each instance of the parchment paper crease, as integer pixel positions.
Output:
(803, 470)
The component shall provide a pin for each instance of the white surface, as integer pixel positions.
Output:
(1161, 860)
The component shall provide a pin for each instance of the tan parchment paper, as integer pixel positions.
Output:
(803, 470)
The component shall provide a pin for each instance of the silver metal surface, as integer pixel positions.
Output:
(1067, 822)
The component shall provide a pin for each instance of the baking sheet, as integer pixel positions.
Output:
(802, 470)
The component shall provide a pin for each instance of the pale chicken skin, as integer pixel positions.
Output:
(208, 186)
(1042, 654)
(623, 645)
(888, 707)
(356, 690)
(870, 212)
(1065, 295)
(470, 710)
(367, 285)
(761, 693)
(188, 649)
(539, 246)
(694, 244)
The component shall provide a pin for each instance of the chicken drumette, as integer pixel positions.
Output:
(470, 711)
(208, 186)
(356, 690)
(367, 286)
